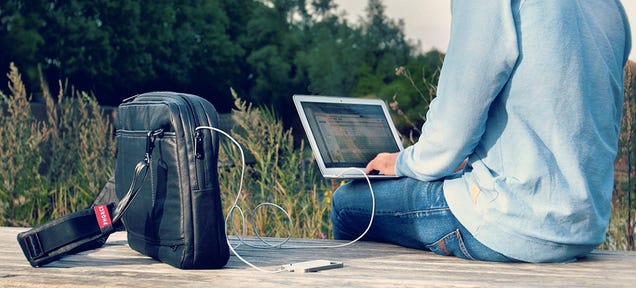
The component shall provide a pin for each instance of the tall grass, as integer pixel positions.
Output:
(56, 165)
(53, 166)
(426, 89)
(620, 234)
(278, 173)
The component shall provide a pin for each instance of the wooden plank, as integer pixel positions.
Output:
(367, 264)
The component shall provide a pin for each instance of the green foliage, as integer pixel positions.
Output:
(410, 95)
(20, 36)
(266, 49)
(50, 167)
(117, 48)
(330, 65)
(277, 173)
(385, 44)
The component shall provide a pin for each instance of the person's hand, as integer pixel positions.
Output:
(384, 163)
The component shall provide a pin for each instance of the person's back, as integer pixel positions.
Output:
(531, 93)
(544, 165)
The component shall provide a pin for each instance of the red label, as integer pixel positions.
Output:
(103, 217)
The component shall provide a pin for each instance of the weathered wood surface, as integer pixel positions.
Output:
(365, 265)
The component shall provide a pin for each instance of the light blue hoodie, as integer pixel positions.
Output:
(531, 92)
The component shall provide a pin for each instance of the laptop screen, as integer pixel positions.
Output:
(349, 135)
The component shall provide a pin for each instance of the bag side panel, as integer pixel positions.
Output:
(208, 222)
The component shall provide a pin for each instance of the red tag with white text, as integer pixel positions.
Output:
(102, 215)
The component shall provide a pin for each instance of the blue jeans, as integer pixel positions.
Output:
(409, 213)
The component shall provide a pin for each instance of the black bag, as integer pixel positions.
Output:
(177, 216)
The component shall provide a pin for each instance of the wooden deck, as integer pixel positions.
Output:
(365, 265)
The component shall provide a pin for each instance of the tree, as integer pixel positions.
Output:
(266, 50)
(385, 44)
(118, 48)
(331, 54)
(273, 44)
(202, 51)
(20, 37)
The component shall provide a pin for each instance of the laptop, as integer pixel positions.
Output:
(346, 133)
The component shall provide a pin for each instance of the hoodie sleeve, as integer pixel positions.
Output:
(481, 56)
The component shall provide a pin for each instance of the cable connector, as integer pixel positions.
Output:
(312, 266)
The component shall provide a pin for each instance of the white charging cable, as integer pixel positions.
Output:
(267, 245)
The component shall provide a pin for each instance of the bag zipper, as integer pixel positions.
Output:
(198, 143)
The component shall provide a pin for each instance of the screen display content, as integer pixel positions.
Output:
(350, 134)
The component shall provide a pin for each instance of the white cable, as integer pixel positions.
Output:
(278, 245)
(235, 204)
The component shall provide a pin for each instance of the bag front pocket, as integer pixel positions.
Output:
(155, 213)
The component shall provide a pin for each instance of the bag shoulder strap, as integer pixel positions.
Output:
(86, 229)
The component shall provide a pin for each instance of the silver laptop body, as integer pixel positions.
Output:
(346, 133)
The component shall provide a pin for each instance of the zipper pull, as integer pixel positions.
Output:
(198, 145)
(150, 144)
